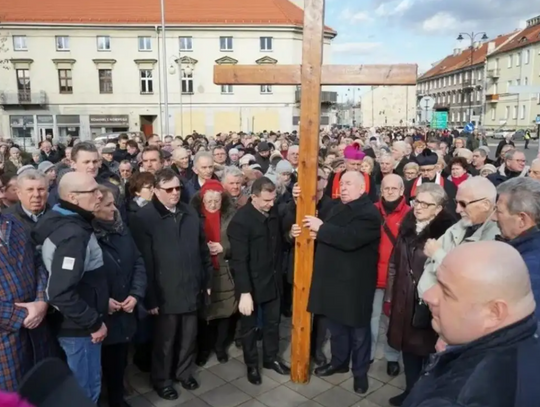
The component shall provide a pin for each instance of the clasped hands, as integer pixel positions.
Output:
(215, 248)
(127, 305)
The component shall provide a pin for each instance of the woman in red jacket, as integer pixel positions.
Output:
(393, 209)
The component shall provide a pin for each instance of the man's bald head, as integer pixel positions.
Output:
(392, 187)
(486, 293)
(352, 186)
(80, 189)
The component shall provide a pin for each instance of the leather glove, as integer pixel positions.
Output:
(246, 304)
(387, 306)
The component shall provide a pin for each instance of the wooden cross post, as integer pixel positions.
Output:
(310, 75)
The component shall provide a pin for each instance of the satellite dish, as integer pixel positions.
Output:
(427, 102)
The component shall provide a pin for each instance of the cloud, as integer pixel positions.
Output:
(360, 47)
(355, 17)
(442, 21)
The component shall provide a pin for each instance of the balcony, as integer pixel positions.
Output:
(326, 96)
(493, 73)
(492, 98)
(18, 99)
(441, 106)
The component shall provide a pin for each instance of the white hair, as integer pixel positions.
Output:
(481, 188)
(31, 175)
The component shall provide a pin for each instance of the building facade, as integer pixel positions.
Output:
(65, 76)
(513, 72)
(457, 84)
(389, 106)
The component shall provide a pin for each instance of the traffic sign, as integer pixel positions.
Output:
(469, 128)
(439, 120)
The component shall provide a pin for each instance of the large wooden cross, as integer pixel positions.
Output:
(310, 75)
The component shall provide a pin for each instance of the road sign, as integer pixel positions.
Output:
(439, 120)
(469, 128)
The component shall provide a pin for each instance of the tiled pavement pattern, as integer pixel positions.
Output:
(227, 386)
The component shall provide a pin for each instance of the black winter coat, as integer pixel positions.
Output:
(256, 248)
(345, 270)
(126, 276)
(176, 256)
(408, 255)
(498, 370)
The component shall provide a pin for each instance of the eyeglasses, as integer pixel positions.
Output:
(464, 204)
(171, 189)
(422, 205)
(91, 191)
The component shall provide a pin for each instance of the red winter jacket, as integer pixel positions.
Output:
(386, 247)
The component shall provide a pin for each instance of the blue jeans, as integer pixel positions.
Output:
(84, 360)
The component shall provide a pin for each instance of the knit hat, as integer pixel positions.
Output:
(353, 152)
(25, 168)
(233, 151)
(45, 166)
(211, 185)
(246, 159)
(283, 167)
(488, 167)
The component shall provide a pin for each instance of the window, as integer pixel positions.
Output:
(507, 112)
(453, 116)
(493, 112)
(65, 81)
(105, 81)
(460, 78)
(19, 43)
(525, 81)
(145, 44)
(455, 79)
(23, 85)
(454, 98)
(478, 94)
(444, 82)
(226, 89)
(527, 56)
(466, 75)
(147, 81)
(523, 111)
(508, 84)
(266, 43)
(514, 112)
(226, 43)
(538, 99)
(480, 74)
(266, 89)
(187, 82)
(62, 43)
(510, 57)
(458, 116)
(186, 43)
(518, 59)
(103, 43)
(495, 88)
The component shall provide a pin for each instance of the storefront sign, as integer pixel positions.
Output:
(68, 119)
(45, 120)
(105, 119)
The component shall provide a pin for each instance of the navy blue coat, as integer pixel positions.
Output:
(528, 245)
(126, 275)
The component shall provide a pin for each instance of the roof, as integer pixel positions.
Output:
(453, 62)
(91, 12)
(528, 36)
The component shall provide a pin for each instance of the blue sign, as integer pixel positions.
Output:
(538, 119)
(439, 120)
(469, 128)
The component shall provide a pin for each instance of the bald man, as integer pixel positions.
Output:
(483, 308)
(181, 164)
(77, 285)
(475, 204)
(345, 277)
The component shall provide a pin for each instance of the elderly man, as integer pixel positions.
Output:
(475, 200)
(203, 167)
(181, 164)
(399, 151)
(349, 237)
(387, 164)
(32, 191)
(483, 308)
(232, 180)
(77, 285)
(479, 159)
(515, 165)
(534, 171)
(393, 209)
(152, 159)
(47, 152)
(518, 216)
(293, 156)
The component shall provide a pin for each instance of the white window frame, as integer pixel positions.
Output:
(226, 43)
(518, 82)
(266, 44)
(527, 56)
(478, 95)
(146, 81)
(103, 43)
(458, 116)
(522, 112)
(518, 59)
(266, 89)
(460, 79)
(506, 112)
(145, 44)
(185, 44)
(454, 98)
(453, 116)
(514, 112)
(187, 83)
(510, 60)
(493, 113)
(62, 42)
(227, 90)
(20, 43)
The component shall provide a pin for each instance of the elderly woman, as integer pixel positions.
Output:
(458, 170)
(216, 210)
(411, 171)
(409, 329)
(14, 161)
(505, 149)
(140, 190)
(487, 169)
(126, 276)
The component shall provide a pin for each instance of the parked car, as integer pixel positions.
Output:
(106, 137)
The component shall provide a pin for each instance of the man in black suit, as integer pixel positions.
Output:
(256, 244)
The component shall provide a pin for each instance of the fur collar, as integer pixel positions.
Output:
(227, 205)
(438, 226)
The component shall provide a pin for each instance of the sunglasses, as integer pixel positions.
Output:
(464, 204)
(170, 190)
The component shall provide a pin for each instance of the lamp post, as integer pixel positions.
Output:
(472, 36)
(164, 67)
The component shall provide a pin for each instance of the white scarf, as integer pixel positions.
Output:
(437, 180)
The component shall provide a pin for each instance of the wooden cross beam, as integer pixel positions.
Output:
(310, 75)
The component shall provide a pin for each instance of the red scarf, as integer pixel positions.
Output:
(459, 180)
(212, 230)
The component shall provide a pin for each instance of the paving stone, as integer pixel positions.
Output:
(225, 396)
(140, 382)
(381, 396)
(310, 403)
(157, 401)
(229, 371)
(377, 370)
(252, 403)
(208, 381)
(253, 390)
(399, 382)
(374, 385)
(337, 397)
(282, 396)
(196, 402)
(140, 401)
(338, 378)
(366, 403)
(312, 389)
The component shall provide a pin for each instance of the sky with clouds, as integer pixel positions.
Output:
(416, 31)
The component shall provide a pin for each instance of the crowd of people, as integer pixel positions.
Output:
(179, 247)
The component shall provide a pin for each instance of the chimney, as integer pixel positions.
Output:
(491, 47)
(533, 21)
(457, 51)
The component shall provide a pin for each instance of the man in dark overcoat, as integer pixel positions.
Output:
(345, 277)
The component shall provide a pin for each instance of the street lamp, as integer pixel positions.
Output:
(472, 36)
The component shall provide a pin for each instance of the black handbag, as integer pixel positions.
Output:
(421, 318)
